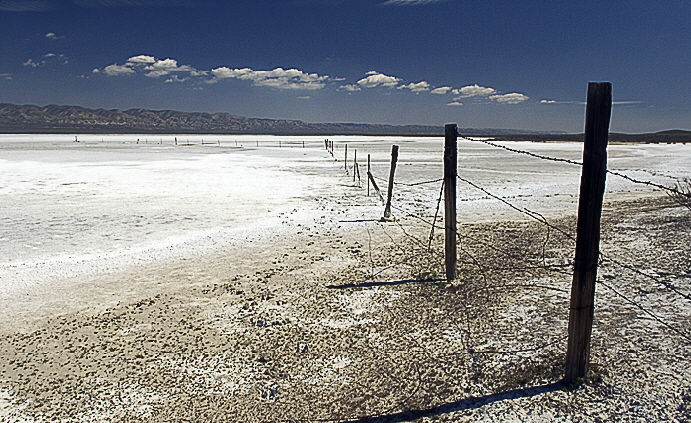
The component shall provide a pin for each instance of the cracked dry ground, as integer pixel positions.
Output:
(302, 330)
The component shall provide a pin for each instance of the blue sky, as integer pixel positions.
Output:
(489, 63)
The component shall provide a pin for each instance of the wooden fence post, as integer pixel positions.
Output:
(354, 164)
(450, 174)
(345, 160)
(368, 172)
(394, 159)
(582, 308)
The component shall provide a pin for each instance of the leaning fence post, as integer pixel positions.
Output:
(582, 308)
(394, 159)
(354, 164)
(450, 174)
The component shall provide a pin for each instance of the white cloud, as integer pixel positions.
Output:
(286, 79)
(304, 97)
(548, 102)
(31, 63)
(350, 88)
(52, 36)
(167, 64)
(116, 70)
(141, 59)
(416, 87)
(5, 76)
(153, 68)
(441, 90)
(510, 98)
(454, 103)
(165, 67)
(474, 91)
(175, 78)
(156, 68)
(376, 79)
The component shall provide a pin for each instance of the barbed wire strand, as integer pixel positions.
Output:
(671, 190)
(646, 311)
(667, 285)
(527, 212)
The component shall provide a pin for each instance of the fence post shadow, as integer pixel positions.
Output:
(470, 403)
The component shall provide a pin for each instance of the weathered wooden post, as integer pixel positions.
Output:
(354, 165)
(394, 159)
(345, 161)
(368, 173)
(597, 117)
(450, 174)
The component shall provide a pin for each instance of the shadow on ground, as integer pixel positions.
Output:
(464, 404)
(388, 283)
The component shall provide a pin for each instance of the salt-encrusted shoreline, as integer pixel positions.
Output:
(325, 313)
(296, 331)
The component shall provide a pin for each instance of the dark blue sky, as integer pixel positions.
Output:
(490, 63)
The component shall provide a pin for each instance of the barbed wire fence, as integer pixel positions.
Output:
(471, 263)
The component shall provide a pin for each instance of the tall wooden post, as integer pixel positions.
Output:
(450, 174)
(368, 173)
(394, 159)
(345, 160)
(581, 311)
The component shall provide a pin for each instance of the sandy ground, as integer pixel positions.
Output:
(335, 316)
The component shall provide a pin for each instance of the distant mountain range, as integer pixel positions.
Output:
(26, 119)
(81, 120)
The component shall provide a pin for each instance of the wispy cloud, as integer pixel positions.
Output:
(614, 103)
(25, 5)
(454, 103)
(620, 103)
(5, 76)
(46, 59)
(53, 36)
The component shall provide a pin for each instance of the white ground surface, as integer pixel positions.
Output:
(71, 208)
(108, 205)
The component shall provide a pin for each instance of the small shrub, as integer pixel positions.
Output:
(682, 195)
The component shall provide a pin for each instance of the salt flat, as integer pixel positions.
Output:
(209, 265)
